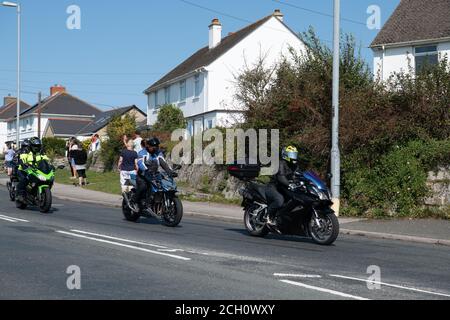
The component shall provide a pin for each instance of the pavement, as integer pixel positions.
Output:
(44, 256)
(428, 231)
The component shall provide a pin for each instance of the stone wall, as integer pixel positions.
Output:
(210, 179)
(439, 183)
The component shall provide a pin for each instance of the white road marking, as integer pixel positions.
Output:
(7, 218)
(337, 293)
(124, 245)
(286, 275)
(120, 239)
(391, 285)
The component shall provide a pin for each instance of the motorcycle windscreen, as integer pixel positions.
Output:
(311, 176)
(44, 167)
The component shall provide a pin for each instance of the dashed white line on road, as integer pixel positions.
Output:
(287, 275)
(120, 239)
(11, 219)
(337, 293)
(390, 285)
(124, 245)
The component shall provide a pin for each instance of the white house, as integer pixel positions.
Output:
(203, 86)
(417, 34)
(8, 111)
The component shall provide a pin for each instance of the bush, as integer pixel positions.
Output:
(396, 183)
(390, 132)
(111, 148)
(54, 146)
(170, 118)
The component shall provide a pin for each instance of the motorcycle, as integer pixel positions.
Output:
(41, 178)
(306, 212)
(160, 202)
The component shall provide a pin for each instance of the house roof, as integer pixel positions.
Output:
(63, 103)
(206, 56)
(9, 110)
(104, 118)
(416, 20)
(65, 127)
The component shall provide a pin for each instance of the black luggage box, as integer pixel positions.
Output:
(244, 171)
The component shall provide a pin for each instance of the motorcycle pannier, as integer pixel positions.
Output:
(244, 171)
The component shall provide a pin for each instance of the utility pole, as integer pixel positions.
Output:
(335, 152)
(18, 9)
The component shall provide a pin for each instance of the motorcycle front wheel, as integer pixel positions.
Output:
(46, 201)
(328, 231)
(173, 213)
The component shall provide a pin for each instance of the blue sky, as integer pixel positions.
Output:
(124, 46)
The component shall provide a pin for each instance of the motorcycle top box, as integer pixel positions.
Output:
(244, 171)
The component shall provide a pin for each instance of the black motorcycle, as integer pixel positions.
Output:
(306, 212)
(161, 201)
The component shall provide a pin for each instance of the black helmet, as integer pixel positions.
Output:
(35, 145)
(26, 144)
(154, 142)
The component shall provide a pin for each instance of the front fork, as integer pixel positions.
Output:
(317, 218)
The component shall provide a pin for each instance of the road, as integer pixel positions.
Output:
(201, 259)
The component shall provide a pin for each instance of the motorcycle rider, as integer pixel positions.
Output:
(31, 154)
(151, 164)
(281, 182)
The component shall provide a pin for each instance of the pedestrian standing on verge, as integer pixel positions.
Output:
(79, 157)
(137, 140)
(128, 165)
(94, 151)
(9, 157)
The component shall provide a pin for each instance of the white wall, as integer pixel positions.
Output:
(3, 136)
(191, 106)
(394, 60)
(271, 40)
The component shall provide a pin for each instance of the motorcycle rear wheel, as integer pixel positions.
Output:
(128, 213)
(254, 229)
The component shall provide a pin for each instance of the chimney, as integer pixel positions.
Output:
(8, 100)
(215, 33)
(56, 88)
(277, 14)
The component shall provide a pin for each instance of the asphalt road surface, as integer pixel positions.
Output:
(201, 259)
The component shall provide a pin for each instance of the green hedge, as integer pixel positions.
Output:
(54, 146)
(395, 184)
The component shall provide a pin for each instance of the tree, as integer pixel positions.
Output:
(117, 128)
(170, 118)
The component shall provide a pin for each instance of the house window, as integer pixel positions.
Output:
(183, 90)
(197, 85)
(209, 124)
(426, 56)
(155, 99)
(167, 95)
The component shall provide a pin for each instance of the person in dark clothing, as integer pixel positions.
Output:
(281, 181)
(128, 164)
(153, 164)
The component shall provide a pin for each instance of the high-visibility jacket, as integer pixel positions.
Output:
(31, 158)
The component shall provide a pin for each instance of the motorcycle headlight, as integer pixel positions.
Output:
(322, 195)
(42, 178)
